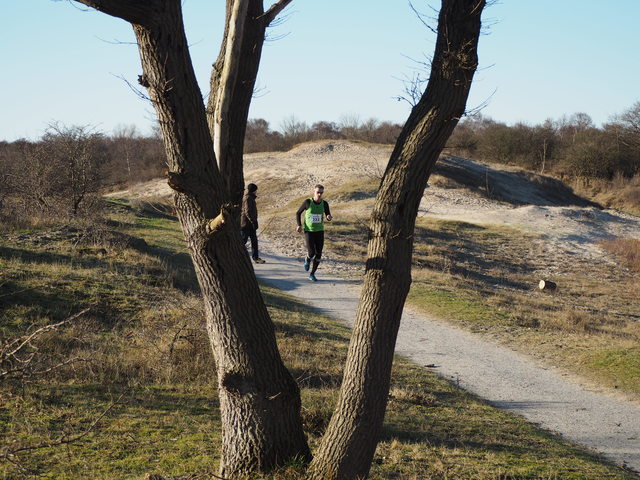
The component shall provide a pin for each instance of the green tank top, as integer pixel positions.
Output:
(314, 216)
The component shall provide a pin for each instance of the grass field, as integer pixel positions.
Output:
(139, 395)
(484, 278)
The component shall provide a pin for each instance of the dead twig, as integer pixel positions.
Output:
(17, 356)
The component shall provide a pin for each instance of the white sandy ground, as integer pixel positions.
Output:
(506, 379)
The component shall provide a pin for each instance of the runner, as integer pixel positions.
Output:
(315, 210)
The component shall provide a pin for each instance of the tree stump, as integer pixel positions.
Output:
(547, 285)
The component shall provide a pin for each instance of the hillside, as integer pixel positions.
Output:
(480, 252)
(486, 234)
(138, 385)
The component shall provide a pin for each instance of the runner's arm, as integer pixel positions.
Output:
(327, 212)
(302, 208)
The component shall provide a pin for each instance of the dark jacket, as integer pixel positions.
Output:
(249, 215)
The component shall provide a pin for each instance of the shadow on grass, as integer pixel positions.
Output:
(316, 381)
(155, 399)
(53, 305)
(309, 333)
(472, 258)
(311, 323)
(495, 435)
(180, 265)
(49, 258)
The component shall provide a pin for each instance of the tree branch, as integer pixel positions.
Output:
(228, 77)
(139, 12)
(275, 10)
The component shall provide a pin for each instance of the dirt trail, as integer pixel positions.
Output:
(506, 379)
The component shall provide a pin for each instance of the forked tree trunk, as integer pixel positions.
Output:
(259, 400)
(347, 449)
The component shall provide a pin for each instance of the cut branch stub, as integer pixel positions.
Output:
(216, 224)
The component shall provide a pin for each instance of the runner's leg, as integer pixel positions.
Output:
(318, 240)
(311, 249)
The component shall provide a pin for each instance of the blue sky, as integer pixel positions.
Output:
(329, 59)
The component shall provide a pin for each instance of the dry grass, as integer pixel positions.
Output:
(148, 363)
(485, 279)
(621, 192)
(626, 248)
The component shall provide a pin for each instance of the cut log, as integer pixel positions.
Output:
(547, 285)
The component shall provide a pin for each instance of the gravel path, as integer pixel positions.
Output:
(506, 379)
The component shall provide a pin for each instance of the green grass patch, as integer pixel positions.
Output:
(360, 189)
(621, 365)
(147, 429)
(454, 305)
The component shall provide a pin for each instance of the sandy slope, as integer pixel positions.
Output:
(570, 228)
(531, 206)
(532, 203)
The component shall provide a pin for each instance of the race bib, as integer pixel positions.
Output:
(316, 218)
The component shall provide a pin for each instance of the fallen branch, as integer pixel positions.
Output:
(17, 356)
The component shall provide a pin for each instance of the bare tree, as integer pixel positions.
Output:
(349, 444)
(76, 155)
(204, 147)
(294, 131)
(258, 396)
(125, 136)
(349, 124)
(55, 177)
(628, 124)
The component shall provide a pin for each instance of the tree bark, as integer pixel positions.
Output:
(348, 446)
(259, 399)
(232, 84)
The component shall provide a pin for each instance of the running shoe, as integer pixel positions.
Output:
(307, 260)
(312, 277)
(258, 260)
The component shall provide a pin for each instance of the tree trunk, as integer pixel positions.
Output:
(259, 400)
(347, 449)
(232, 84)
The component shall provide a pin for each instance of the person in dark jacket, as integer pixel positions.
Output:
(249, 221)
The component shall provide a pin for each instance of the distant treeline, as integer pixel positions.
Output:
(62, 174)
(572, 146)
(260, 138)
(602, 163)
